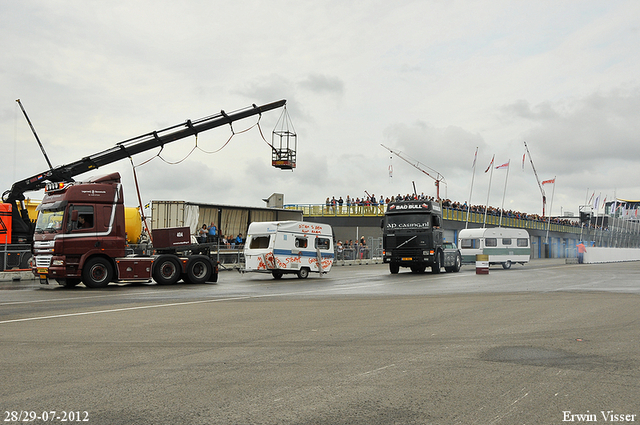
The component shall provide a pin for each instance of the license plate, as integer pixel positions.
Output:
(43, 270)
(407, 259)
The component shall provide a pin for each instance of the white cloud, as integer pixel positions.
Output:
(432, 79)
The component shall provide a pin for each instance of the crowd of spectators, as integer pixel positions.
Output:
(350, 250)
(210, 234)
(372, 201)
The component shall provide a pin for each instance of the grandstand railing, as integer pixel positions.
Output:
(452, 214)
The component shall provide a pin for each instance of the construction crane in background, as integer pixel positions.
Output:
(416, 164)
(544, 196)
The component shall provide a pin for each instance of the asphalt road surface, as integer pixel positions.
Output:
(545, 343)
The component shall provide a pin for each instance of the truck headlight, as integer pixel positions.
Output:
(57, 263)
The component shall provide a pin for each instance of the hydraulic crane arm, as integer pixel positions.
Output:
(131, 147)
(22, 228)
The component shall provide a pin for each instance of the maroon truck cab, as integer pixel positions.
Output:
(80, 237)
(79, 222)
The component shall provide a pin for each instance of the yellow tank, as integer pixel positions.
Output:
(132, 224)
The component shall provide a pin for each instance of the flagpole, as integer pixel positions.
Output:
(586, 197)
(626, 232)
(504, 193)
(486, 207)
(473, 176)
(612, 214)
(604, 210)
(550, 207)
(595, 236)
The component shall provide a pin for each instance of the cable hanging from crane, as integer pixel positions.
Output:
(289, 152)
(196, 146)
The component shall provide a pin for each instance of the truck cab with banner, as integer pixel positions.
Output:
(413, 237)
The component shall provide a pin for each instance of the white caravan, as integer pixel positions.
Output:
(295, 247)
(503, 245)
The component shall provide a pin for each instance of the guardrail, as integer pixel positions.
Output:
(14, 256)
(313, 210)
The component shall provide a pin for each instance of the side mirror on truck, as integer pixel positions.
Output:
(73, 221)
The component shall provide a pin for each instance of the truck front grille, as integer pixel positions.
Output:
(43, 260)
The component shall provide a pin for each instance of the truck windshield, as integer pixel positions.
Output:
(408, 222)
(49, 221)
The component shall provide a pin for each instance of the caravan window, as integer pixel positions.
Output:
(301, 242)
(523, 242)
(491, 242)
(506, 241)
(322, 243)
(469, 243)
(259, 242)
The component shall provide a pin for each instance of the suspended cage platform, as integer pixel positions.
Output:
(284, 143)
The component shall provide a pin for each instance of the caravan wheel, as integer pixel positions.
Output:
(303, 273)
(506, 265)
(277, 275)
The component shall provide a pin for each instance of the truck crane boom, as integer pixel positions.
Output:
(22, 227)
(535, 173)
(438, 178)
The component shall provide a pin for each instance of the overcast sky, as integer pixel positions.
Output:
(432, 79)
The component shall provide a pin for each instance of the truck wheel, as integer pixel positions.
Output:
(437, 264)
(506, 265)
(458, 264)
(199, 269)
(394, 268)
(25, 262)
(276, 275)
(303, 273)
(166, 270)
(97, 273)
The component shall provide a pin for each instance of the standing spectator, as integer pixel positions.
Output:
(581, 250)
(202, 234)
(362, 248)
(213, 231)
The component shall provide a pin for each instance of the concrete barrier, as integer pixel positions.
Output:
(16, 275)
(611, 255)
